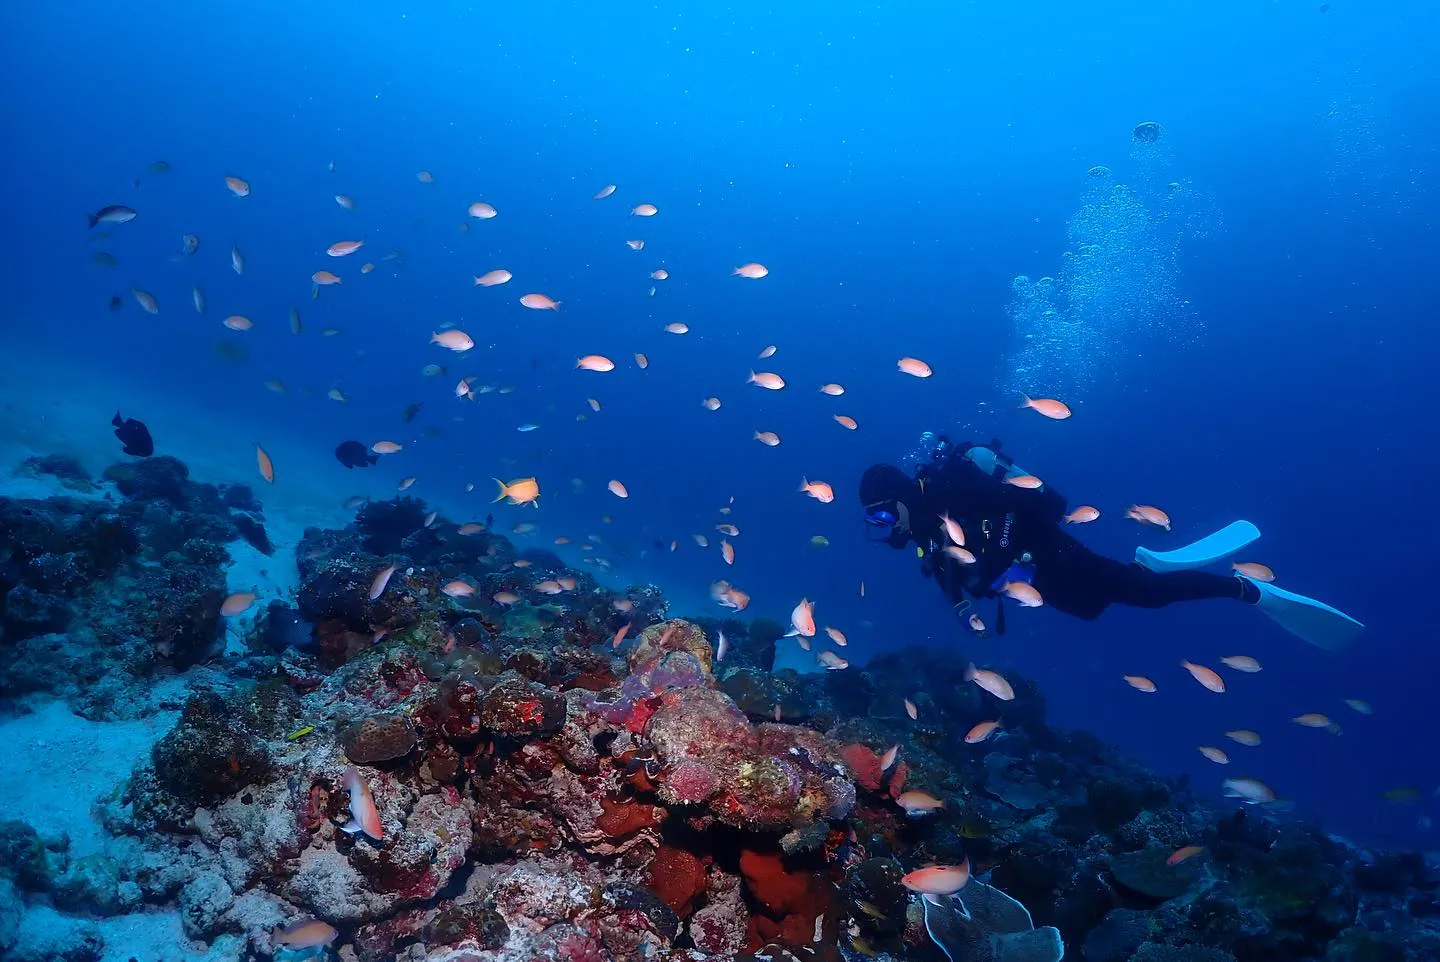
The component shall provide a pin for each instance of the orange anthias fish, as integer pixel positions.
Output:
(1148, 514)
(341, 248)
(1025, 594)
(1254, 570)
(1140, 683)
(618, 489)
(539, 302)
(262, 460)
(911, 710)
(752, 270)
(1205, 676)
(1055, 410)
(1184, 854)
(990, 681)
(238, 603)
(304, 934)
(595, 362)
(767, 380)
(938, 879)
(364, 817)
(981, 731)
(919, 803)
(1082, 515)
(1214, 754)
(453, 339)
(953, 530)
(728, 595)
(493, 278)
(818, 490)
(519, 491)
(1252, 791)
(1241, 663)
(1315, 719)
(377, 586)
(914, 367)
(802, 619)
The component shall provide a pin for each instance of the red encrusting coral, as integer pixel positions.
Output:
(620, 820)
(678, 877)
(865, 764)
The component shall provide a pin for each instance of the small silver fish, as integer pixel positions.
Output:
(237, 259)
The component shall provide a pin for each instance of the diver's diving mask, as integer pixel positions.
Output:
(890, 519)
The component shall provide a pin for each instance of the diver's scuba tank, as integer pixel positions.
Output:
(930, 454)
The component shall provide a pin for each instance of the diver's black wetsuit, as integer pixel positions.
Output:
(1003, 523)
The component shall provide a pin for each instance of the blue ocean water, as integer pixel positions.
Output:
(1254, 341)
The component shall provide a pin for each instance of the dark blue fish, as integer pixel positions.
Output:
(353, 454)
(114, 214)
(134, 435)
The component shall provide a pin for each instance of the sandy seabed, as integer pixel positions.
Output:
(54, 764)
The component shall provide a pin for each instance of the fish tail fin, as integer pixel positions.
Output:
(751, 379)
(117, 420)
(501, 495)
(804, 482)
(352, 827)
(1025, 401)
(970, 671)
(93, 219)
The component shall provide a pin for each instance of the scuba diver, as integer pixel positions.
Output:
(1015, 537)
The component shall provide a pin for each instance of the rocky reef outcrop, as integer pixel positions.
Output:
(561, 771)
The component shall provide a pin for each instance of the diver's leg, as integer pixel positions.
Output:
(1082, 570)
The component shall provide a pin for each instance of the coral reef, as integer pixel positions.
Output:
(529, 791)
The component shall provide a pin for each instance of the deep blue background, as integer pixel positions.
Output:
(895, 165)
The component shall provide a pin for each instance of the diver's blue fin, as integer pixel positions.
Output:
(1308, 619)
(1198, 554)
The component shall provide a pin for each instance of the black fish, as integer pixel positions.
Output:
(410, 411)
(134, 435)
(114, 214)
(352, 454)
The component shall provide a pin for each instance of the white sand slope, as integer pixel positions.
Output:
(56, 764)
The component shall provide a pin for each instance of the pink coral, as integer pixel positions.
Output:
(689, 783)
(581, 947)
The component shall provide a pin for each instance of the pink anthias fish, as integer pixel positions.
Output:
(364, 816)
